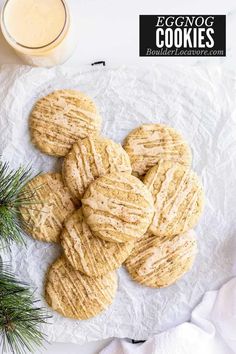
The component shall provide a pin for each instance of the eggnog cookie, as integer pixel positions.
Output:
(75, 295)
(51, 204)
(58, 120)
(149, 143)
(90, 158)
(178, 198)
(118, 207)
(90, 254)
(159, 261)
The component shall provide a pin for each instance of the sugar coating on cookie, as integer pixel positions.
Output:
(178, 198)
(91, 158)
(160, 261)
(89, 254)
(118, 207)
(75, 295)
(149, 143)
(60, 118)
(51, 203)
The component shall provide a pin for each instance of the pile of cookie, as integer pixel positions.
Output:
(110, 205)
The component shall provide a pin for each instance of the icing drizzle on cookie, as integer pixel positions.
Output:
(178, 198)
(159, 262)
(118, 207)
(76, 295)
(87, 253)
(149, 143)
(60, 119)
(53, 203)
(91, 158)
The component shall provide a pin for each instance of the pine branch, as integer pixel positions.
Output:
(19, 316)
(12, 197)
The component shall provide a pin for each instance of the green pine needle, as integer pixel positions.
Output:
(12, 198)
(19, 316)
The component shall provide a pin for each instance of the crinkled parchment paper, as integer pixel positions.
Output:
(200, 102)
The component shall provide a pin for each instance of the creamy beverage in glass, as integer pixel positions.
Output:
(39, 30)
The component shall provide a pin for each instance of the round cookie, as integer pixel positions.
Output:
(159, 261)
(58, 120)
(91, 158)
(90, 254)
(51, 203)
(149, 143)
(178, 198)
(118, 207)
(75, 295)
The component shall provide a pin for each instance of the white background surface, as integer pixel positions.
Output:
(108, 30)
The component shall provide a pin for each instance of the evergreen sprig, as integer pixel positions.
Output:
(12, 197)
(20, 318)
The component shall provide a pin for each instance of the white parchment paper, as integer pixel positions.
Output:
(199, 102)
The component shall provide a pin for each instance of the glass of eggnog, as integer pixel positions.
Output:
(40, 31)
